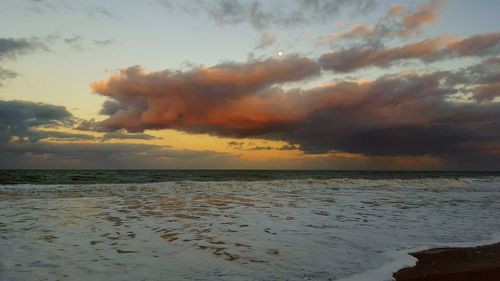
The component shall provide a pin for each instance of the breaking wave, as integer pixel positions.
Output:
(96, 190)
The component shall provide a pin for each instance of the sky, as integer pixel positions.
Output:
(278, 84)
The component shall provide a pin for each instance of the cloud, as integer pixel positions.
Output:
(241, 146)
(168, 99)
(236, 144)
(104, 43)
(6, 74)
(79, 43)
(397, 115)
(63, 6)
(19, 115)
(425, 14)
(487, 92)
(266, 39)
(37, 135)
(24, 124)
(262, 15)
(74, 42)
(357, 31)
(99, 11)
(289, 147)
(483, 79)
(106, 156)
(429, 50)
(19, 119)
(30, 122)
(282, 148)
(120, 135)
(42, 6)
(398, 22)
(10, 48)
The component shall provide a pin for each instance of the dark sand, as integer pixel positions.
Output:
(454, 264)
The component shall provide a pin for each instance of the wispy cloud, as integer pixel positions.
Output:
(266, 40)
(398, 22)
(11, 48)
(121, 135)
(80, 43)
(105, 156)
(41, 7)
(6, 74)
(429, 50)
(263, 15)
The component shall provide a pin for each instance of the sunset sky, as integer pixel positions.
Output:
(278, 84)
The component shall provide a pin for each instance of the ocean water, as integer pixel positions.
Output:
(39, 177)
(235, 225)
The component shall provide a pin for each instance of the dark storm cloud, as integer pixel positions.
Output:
(265, 14)
(403, 115)
(429, 50)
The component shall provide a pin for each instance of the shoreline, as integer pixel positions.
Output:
(480, 263)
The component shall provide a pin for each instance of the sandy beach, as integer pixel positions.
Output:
(454, 264)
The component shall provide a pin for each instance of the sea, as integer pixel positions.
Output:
(236, 224)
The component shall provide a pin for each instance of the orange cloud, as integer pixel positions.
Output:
(434, 49)
(194, 98)
(398, 22)
(399, 115)
(425, 14)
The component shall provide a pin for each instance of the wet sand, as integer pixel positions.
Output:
(454, 264)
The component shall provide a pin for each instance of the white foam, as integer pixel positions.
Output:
(93, 190)
(323, 229)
